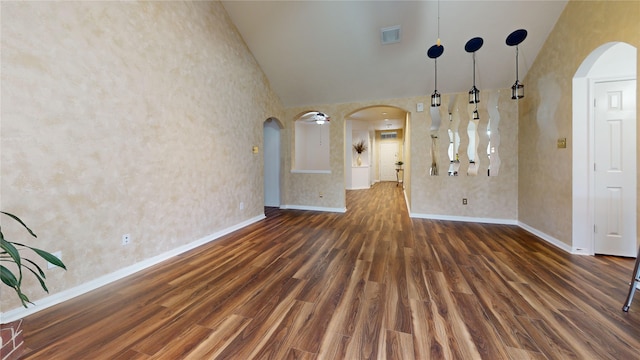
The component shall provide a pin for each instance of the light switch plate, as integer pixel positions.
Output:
(562, 143)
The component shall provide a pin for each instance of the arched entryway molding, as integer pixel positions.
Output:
(609, 62)
(361, 124)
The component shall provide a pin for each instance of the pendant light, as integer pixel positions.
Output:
(514, 39)
(434, 52)
(472, 46)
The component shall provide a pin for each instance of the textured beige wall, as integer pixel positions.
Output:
(545, 184)
(489, 197)
(304, 189)
(125, 117)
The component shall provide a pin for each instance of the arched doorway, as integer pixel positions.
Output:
(272, 159)
(383, 130)
(611, 64)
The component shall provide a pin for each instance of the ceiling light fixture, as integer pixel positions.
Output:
(435, 52)
(321, 118)
(514, 39)
(472, 46)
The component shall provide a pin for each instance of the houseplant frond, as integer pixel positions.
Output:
(10, 253)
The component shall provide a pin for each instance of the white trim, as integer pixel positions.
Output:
(406, 199)
(550, 239)
(463, 219)
(68, 294)
(360, 188)
(294, 171)
(313, 208)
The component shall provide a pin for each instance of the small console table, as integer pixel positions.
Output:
(399, 176)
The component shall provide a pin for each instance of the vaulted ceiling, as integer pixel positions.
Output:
(321, 52)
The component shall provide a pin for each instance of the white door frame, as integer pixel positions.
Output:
(582, 140)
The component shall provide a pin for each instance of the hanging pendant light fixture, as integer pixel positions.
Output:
(476, 114)
(472, 46)
(434, 52)
(514, 39)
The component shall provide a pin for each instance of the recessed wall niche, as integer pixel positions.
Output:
(312, 145)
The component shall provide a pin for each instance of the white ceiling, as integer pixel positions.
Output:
(324, 52)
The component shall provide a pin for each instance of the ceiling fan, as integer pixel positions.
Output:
(315, 116)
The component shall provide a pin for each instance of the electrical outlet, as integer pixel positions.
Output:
(57, 254)
(241, 205)
(126, 239)
(464, 201)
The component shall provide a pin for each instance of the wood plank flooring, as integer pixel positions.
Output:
(368, 284)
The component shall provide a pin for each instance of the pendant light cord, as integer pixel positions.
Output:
(438, 42)
(517, 63)
(436, 75)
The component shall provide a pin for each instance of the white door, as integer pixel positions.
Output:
(615, 168)
(388, 158)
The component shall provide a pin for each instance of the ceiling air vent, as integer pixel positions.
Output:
(390, 35)
(389, 135)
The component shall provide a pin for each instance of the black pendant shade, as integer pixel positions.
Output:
(473, 45)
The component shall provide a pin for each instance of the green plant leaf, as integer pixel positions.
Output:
(40, 272)
(10, 253)
(8, 278)
(44, 254)
(49, 257)
(21, 223)
(8, 248)
(24, 299)
(40, 276)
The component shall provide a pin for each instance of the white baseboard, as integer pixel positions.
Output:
(548, 238)
(68, 294)
(463, 219)
(313, 208)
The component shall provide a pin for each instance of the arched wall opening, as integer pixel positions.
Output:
(609, 62)
(383, 130)
(272, 162)
(312, 143)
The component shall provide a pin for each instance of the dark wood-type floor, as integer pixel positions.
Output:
(368, 284)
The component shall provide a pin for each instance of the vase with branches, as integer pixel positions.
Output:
(359, 147)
